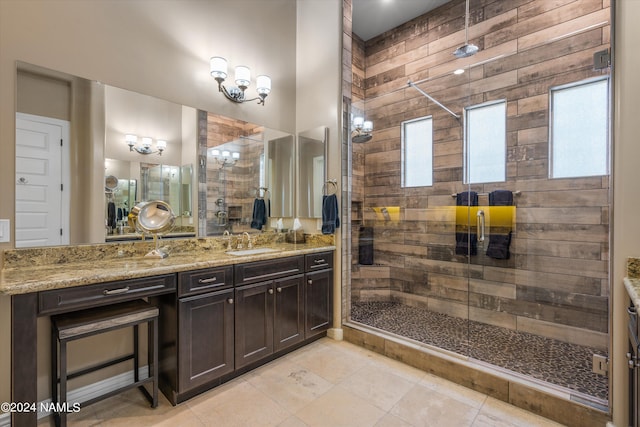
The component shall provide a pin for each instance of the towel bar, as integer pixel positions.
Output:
(515, 193)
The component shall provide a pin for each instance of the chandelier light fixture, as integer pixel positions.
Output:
(225, 157)
(237, 94)
(146, 147)
(361, 129)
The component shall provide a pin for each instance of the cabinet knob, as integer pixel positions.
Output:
(230, 300)
(271, 291)
(310, 282)
(279, 289)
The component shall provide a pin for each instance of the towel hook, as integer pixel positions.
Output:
(326, 190)
(264, 190)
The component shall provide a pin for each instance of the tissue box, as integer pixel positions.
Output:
(295, 236)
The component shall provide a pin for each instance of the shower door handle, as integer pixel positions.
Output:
(480, 224)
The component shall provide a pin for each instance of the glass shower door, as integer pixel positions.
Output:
(539, 282)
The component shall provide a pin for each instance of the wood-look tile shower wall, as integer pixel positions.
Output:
(556, 282)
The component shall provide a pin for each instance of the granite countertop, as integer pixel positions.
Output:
(25, 273)
(632, 281)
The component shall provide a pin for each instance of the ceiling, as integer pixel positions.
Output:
(374, 17)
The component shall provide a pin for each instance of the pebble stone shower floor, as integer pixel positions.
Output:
(556, 362)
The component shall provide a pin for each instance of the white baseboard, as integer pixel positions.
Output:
(85, 393)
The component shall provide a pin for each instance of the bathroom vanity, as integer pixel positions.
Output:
(220, 315)
(234, 318)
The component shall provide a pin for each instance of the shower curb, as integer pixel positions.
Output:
(554, 406)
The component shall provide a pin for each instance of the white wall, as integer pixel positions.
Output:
(626, 176)
(319, 98)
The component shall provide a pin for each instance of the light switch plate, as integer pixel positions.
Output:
(5, 230)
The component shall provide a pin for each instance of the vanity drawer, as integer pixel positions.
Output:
(62, 300)
(319, 261)
(258, 271)
(206, 280)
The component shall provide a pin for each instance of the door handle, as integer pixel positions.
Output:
(480, 224)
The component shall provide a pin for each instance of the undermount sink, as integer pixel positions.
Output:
(254, 251)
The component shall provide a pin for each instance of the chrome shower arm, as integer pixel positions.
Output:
(410, 83)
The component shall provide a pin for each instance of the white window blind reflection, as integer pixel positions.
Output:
(417, 152)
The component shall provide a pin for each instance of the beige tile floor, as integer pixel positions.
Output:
(327, 383)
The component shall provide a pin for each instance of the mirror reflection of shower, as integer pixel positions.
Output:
(232, 160)
(225, 157)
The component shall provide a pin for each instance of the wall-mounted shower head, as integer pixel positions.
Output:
(363, 137)
(467, 49)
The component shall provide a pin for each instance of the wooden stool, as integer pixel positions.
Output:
(80, 324)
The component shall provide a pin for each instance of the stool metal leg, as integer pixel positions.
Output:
(136, 354)
(152, 344)
(63, 381)
(54, 371)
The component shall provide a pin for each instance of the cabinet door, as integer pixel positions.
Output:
(289, 311)
(254, 322)
(318, 302)
(205, 338)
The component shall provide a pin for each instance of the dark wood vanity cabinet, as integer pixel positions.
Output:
(318, 293)
(229, 319)
(254, 323)
(269, 314)
(206, 338)
(196, 345)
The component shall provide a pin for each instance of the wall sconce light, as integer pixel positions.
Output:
(361, 129)
(243, 80)
(225, 157)
(146, 146)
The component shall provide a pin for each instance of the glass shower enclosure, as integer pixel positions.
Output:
(480, 216)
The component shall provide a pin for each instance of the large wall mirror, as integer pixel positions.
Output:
(238, 174)
(150, 147)
(280, 174)
(103, 178)
(312, 149)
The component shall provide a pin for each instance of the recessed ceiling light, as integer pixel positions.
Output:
(458, 71)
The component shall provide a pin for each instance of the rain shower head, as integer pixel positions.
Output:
(466, 50)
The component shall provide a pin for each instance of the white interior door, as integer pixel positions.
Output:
(42, 204)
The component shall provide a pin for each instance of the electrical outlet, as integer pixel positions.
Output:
(5, 230)
(600, 364)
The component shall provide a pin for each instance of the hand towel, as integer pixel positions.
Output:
(259, 214)
(365, 246)
(466, 241)
(330, 218)
(500, 236)
(111, 215)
